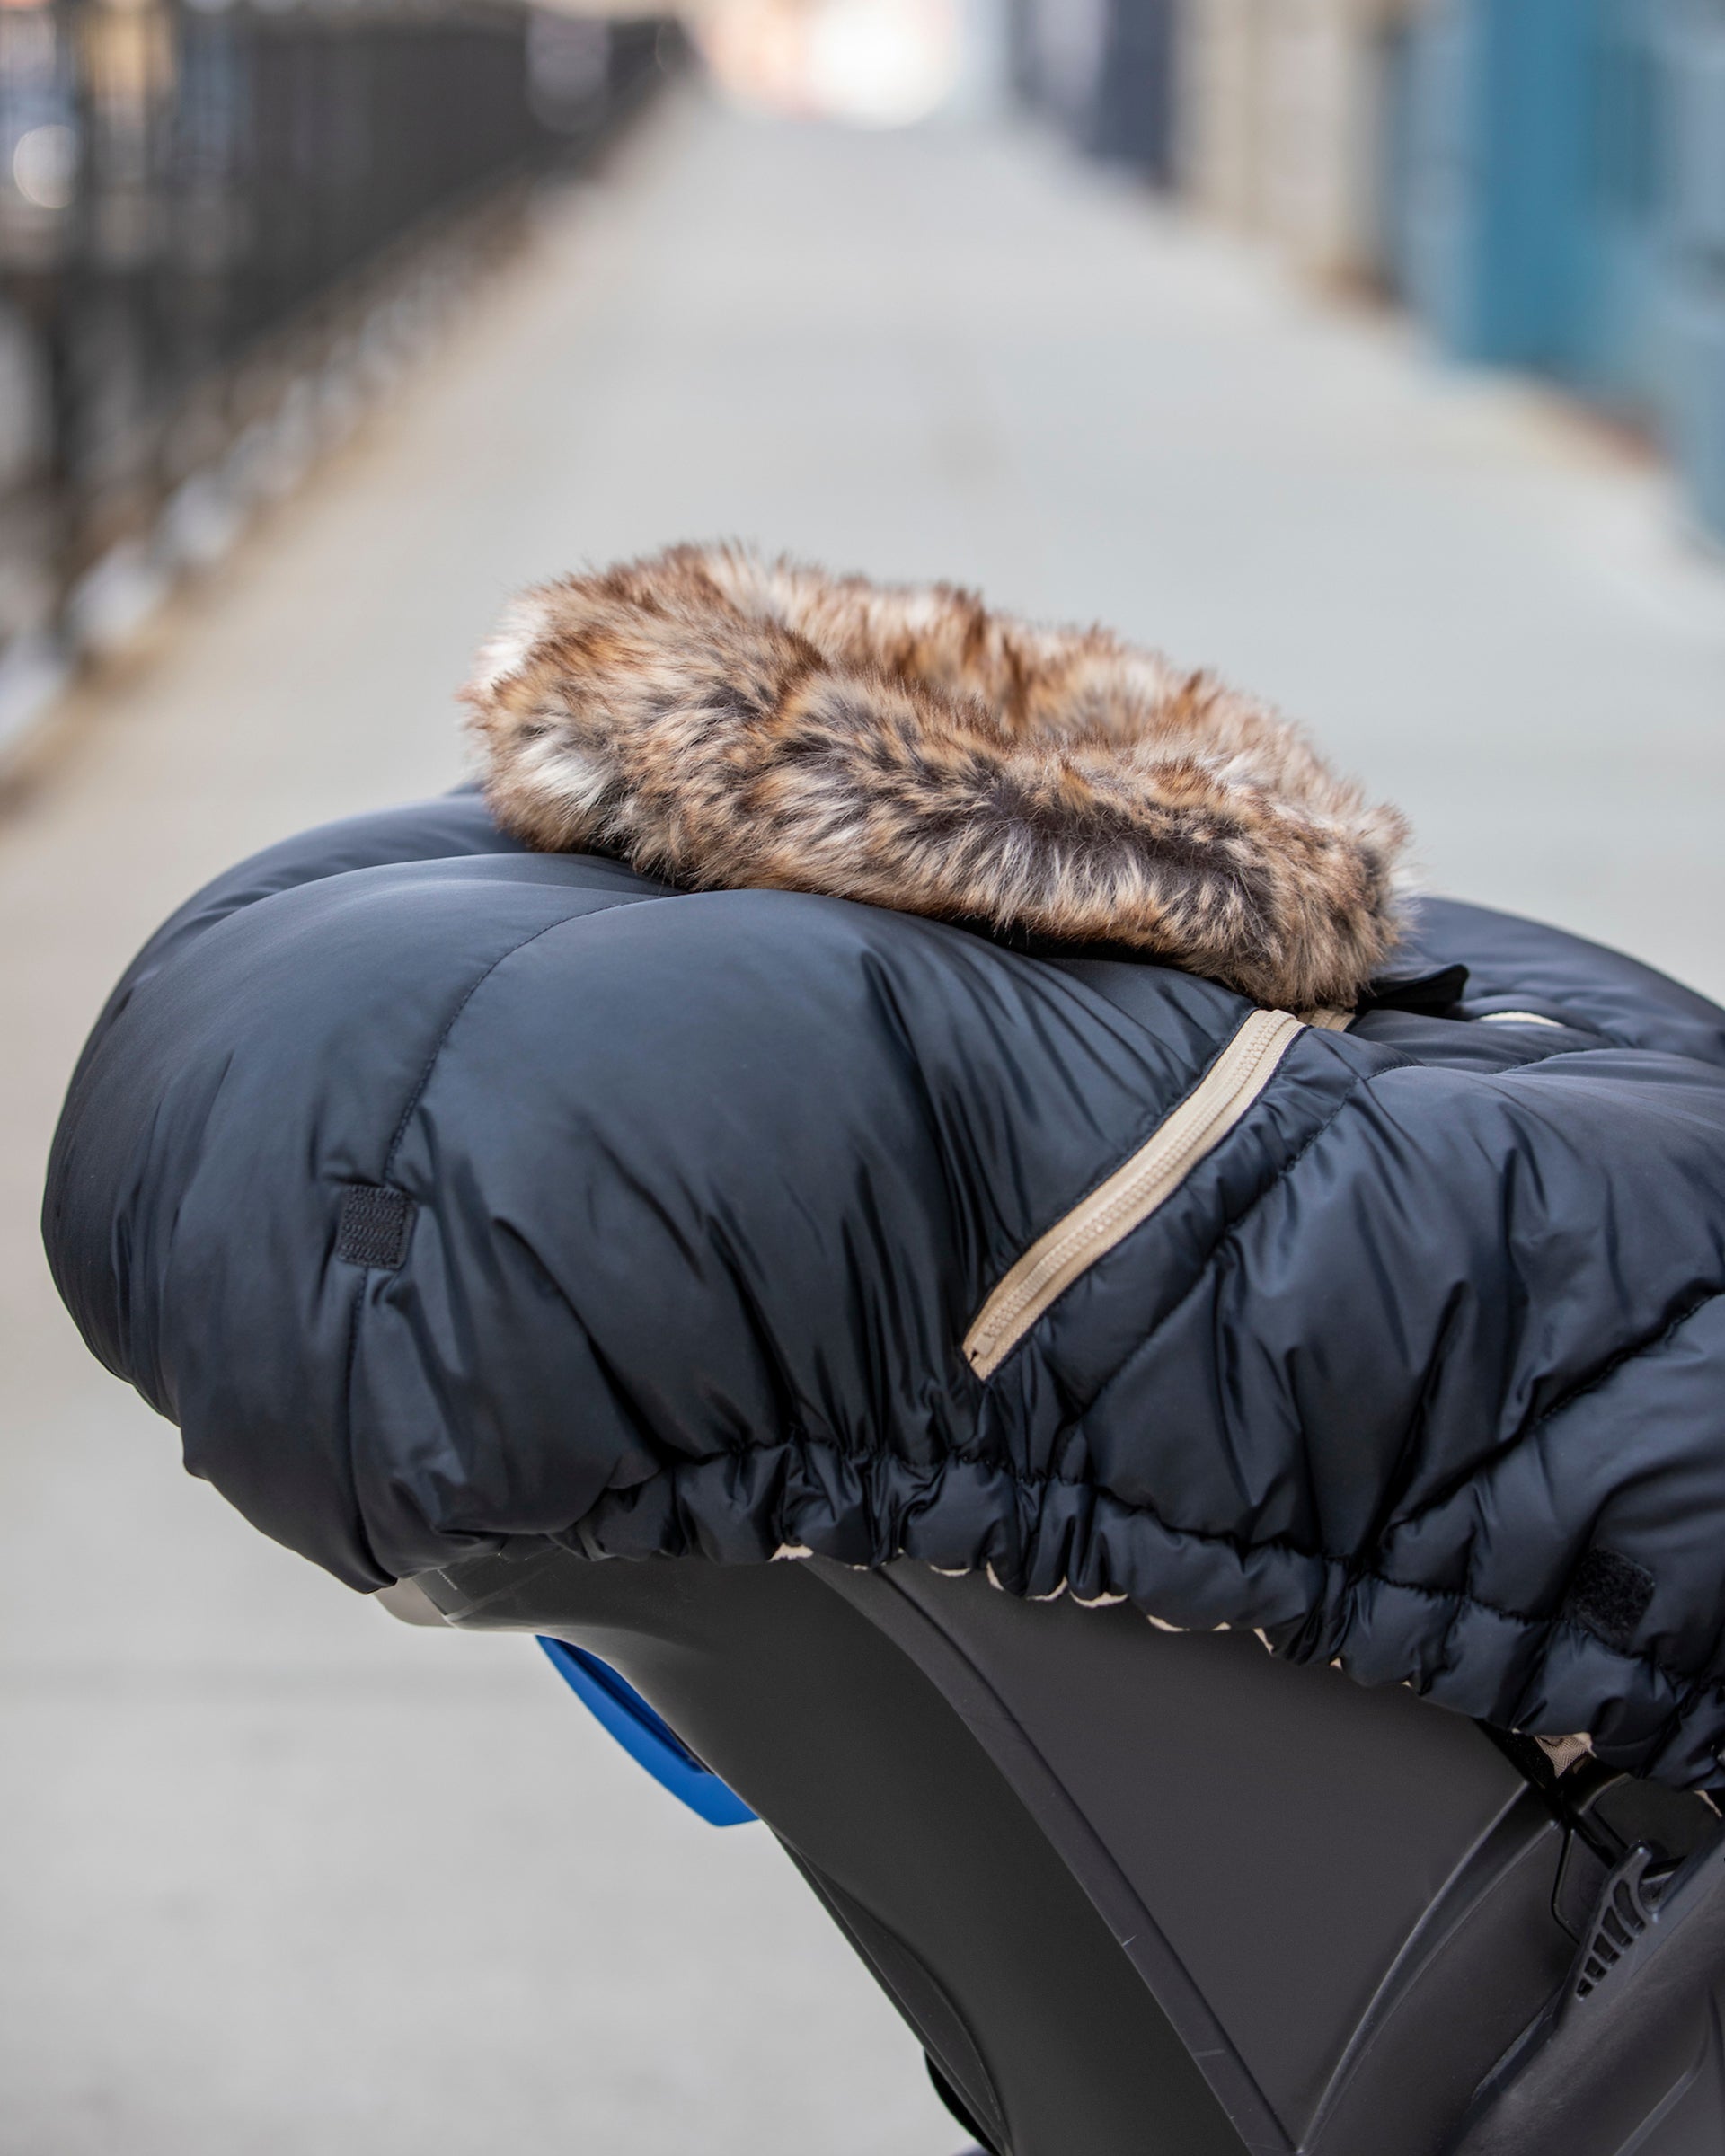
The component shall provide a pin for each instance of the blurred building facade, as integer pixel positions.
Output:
(222, 225)
(1541, 182)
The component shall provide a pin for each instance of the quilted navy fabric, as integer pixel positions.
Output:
(444, 1193)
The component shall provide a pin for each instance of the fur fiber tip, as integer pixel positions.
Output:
(729, 721)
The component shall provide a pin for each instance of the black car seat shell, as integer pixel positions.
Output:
(1141, 1893)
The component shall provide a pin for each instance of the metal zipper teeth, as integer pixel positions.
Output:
(1134, 1191)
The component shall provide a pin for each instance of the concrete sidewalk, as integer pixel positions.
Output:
(280, 1878)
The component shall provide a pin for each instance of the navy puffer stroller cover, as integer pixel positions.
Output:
(1046, 1146)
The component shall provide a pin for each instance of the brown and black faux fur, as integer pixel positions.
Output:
(726, 721)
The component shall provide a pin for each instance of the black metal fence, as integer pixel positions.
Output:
(202, 205)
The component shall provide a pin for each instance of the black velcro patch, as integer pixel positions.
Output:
(374, 1225)
(1609, 1595)
(1425, 994)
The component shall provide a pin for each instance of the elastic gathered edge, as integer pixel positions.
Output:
(1686, 1684)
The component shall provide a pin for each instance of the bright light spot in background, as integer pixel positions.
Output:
(875, 63)
(883, 63)
(45, 165)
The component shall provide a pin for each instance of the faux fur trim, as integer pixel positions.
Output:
(725, 720)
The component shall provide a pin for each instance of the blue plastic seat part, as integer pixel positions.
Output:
(652, 1743)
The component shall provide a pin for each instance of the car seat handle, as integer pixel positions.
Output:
(1619, 2043)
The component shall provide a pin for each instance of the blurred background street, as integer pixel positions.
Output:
(278, 1875)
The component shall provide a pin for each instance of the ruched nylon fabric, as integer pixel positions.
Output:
(701, 1192)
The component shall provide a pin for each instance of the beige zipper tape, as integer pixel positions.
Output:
(1134, 1191)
